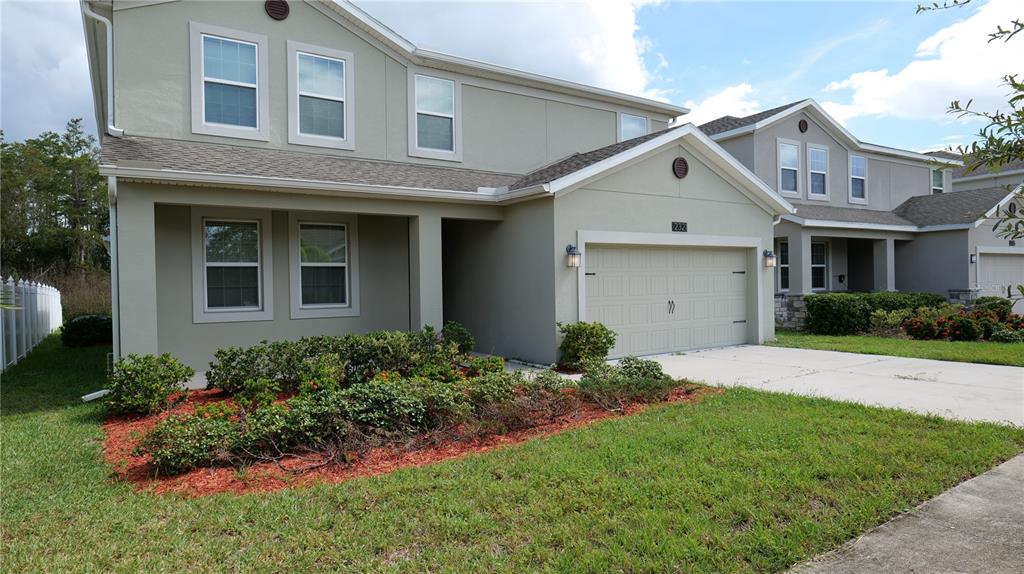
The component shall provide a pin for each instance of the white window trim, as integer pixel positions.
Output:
(414, 149)
(931, 181)
(849, 182)
(200, 314)
(294, 135)
(351, 223)
(621, 116)
(199, 126)
(778, 167)
(810, 172)
(778, 274)
(826, 265)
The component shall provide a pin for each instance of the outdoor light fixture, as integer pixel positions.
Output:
(974, 258)
(572, 255)
(769, 259)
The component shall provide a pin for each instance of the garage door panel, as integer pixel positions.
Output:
(708, 294)
(999, 272)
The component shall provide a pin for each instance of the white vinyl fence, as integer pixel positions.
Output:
(38, 314)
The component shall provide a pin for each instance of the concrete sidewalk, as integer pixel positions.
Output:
(966, 391)
(976, 527)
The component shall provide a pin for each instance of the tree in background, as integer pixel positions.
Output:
(1001, 140)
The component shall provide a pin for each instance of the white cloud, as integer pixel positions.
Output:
(595, 42)
(957, 62)
(45, 73)
(731, 101)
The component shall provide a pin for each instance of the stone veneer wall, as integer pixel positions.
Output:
(963, 296)
(790, 311)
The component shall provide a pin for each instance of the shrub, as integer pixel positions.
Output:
(888, 323)
(483, 365)
(257, 393)
(314, 419)
(894, 301)
(145, 384)
(583, 343)
(987, 320)
(930, 322)
(962, 327)
(493, 388)
(1003, 335)
(634, 380)
(183, 442)
(1001, 306)
(388, 402)
(837, 313)
(232, 366)
(86, 330)
(455, 332)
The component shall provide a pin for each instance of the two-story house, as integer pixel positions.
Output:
(868, 217)
(289, 168)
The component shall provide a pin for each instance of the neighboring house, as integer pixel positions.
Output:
(1008, 176)
(285, 169)
(868, 217)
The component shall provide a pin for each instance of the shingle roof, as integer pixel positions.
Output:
(944, 154)
(985, 170)
(578, 161)
(950, 208)
(214, 158)
(727, 123)
(849, 215)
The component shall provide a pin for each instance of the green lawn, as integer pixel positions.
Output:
(742, 482)
(959, 351)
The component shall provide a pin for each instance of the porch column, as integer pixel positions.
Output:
(799, 262)
(884, 259)
(425, 294)
(136, 250)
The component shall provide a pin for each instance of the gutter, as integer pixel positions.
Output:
(115, 288)
(87, 13)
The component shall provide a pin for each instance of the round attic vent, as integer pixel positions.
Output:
(277, 9)
(802, 125)
(680, 168)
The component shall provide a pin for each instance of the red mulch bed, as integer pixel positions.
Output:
(124, 434)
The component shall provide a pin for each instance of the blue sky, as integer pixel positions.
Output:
(884, 72)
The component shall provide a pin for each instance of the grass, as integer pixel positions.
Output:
(960, 351)
(743, 482)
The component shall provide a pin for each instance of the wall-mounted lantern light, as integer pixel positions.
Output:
(572, 255)
(974, 258)
(769, 259)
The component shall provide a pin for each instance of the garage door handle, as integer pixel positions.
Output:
(671, 307)
(588, 274)
(741, 321)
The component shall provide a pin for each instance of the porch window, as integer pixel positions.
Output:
(817, 163)
(631, 126)
(937, 185)
(232, 260)
(789, 167)
(229, 82)
(858, 178)
(784, 266)
(323, 260)
(435, 113)
(819, 266)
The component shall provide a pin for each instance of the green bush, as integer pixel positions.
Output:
(837, 313)
(183, 442)
(887, 323)
(146, 384)
(86, 330)
(1001, 306)
(257, 393)
(493, 388)
(483, 365)
(633, 380)
(583, 343)
(1003, 335)
(894, 301)
(963, 327)
(392, 403)
(455, 332)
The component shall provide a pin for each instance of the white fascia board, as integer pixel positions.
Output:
(1002, 202)
(946, 227)
(849, 224)
(989, 175)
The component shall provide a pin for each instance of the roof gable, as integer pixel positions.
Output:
(956, 208)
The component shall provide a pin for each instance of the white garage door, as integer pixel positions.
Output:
(666, 299)
(999, 271)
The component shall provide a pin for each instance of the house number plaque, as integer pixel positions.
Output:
(679, 226)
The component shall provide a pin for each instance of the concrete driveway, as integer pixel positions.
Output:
(965, 391)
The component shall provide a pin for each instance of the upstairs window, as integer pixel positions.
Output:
(937, 184)
(320, 96)
(631, 126)
(435, 113)
(817, 167)
(789, 167)
(858, 179)
(229, 82)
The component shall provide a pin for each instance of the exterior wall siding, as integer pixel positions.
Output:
(916, 268)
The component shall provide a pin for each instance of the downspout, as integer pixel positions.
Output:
(111, 128)
(115, 291)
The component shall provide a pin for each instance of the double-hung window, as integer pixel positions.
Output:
(937, 184)
(229, 83)
(858, 179)
(817, 168)
(320, 96)
(231, 265)
(324, 266)
(789, 167)
(435, 122)
(783, 266)
(631, 126)
(819, 266)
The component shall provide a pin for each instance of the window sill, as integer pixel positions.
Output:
(814, 197)
(231, 316)
(323, 312)
(857, 201)
(435, 154)
(230, 132)
(321, 141)
(789, 193)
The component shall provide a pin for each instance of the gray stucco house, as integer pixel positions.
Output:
(871, 217)
(285, 169)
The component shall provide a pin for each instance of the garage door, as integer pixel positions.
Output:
(666, 299)
(999, 271)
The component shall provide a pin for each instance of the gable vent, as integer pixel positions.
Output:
(803, 126)
(680, 168)
(277, 9)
